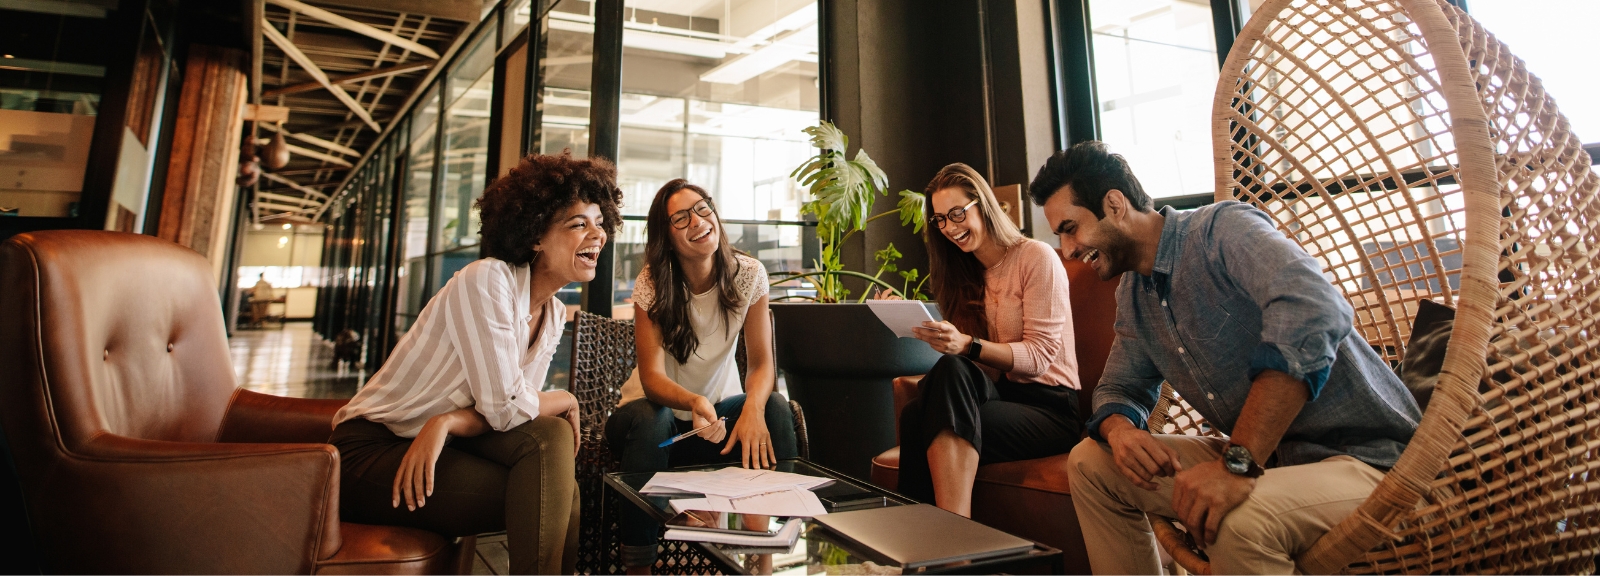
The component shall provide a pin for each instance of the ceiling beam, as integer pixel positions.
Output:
(309, 191)
(346, 150)
(354, 26)
(282, 198)
(309, 153)
(379, 73)
(457, 10)
(311, 68)
(282, 208)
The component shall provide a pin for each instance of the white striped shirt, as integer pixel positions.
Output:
(468, 348)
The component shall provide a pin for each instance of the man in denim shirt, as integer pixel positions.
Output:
(1243, 324)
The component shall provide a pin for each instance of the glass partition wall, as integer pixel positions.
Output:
(716, 92)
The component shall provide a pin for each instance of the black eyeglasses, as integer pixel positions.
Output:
(680, 219)
(957, 214)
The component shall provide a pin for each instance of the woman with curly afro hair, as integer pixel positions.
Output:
(469, 372)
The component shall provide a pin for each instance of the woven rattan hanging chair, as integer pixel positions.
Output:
(1410, 152)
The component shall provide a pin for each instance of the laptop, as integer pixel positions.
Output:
(922, 535)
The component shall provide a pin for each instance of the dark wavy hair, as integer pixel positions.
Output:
(519, 207)
(670, 310)
(1092, 170)
(958, 280)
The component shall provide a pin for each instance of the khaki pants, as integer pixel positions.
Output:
(1290, 508)
(520, 481)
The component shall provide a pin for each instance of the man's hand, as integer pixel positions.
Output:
(705, 413)
(1205, 494)
(753, 438)
(1139, 456)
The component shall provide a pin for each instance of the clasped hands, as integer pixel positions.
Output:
(1201, 496)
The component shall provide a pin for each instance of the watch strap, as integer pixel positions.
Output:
(974, 350)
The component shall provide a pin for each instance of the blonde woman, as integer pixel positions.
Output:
(1007, 386)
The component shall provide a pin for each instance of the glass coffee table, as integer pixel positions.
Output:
(819, 550)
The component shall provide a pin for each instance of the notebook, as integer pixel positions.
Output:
(922, 535)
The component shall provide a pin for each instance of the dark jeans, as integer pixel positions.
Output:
(520, 481)
(1005, 421)
(633, 433)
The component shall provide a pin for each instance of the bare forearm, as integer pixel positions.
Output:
(662, 390)
(556, 403)
(759, 383)
(1275, 400)
(465, 422)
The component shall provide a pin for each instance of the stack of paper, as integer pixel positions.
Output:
(729, 482)
(784, 538)
(740, 490)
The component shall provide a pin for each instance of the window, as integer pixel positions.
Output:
(49, 98)
(718, 93)
(1551, 47)
(1155, 70)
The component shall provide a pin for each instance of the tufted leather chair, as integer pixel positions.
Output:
(1032, 498)
(135, 452)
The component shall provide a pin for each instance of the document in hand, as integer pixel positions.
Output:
(785, 538)
(901, 315)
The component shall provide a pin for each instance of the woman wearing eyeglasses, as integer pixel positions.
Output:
(1007, 386)
(693, 299)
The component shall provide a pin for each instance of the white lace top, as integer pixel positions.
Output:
(711, 370)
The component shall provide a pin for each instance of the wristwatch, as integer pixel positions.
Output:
(974, 349)
(1237, 459)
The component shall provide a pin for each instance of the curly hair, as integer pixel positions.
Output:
(519, 207)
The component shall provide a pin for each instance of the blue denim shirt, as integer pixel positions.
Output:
(1228, 297)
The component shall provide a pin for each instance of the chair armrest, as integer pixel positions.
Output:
(255, 417)
(178, 507)
(905, 390)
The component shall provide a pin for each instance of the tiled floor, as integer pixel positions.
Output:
(293, 361)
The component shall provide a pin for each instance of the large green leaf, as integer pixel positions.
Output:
(913, 210)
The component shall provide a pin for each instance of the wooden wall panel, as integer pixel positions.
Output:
(205, 150)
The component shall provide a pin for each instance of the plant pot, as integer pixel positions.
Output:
(840, 362)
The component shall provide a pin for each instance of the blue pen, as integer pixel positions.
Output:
(675, 439)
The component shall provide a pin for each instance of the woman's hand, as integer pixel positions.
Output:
(942, 337)
(705, 413)
(563, 404)
(414, 481)
(752, 436)
(886, 294)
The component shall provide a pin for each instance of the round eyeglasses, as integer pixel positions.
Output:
(957, 214)
(680, 219)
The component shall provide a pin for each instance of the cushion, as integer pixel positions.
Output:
(1430, 336)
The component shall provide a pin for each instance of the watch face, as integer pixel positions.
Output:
(1236, 459)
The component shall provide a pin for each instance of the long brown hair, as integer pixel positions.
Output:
(958, 281)
(670, 310)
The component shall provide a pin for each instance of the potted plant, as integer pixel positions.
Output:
(838, 360)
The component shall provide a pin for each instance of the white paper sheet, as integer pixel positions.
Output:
(728, 482)
(791, 501)
(900, 315)
(785, 537)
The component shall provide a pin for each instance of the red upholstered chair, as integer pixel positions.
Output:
(1032, 498)
(135, 452)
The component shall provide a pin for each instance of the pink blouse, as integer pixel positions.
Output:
(1026, 301)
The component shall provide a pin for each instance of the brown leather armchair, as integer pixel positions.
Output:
(135, 452)
(1032, 498)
